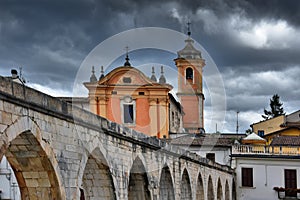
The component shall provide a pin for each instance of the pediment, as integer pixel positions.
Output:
(125, 76)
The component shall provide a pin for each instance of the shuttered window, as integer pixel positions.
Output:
(290, 180)
(247, 177)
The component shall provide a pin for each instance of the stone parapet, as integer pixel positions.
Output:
(30, 98)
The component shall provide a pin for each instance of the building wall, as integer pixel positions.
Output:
(175, 116)
(222, 154)
(267, 174)
(270, 125)
(293, 117)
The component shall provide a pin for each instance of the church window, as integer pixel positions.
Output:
(128, 110)
(128, 114)
(189, 74)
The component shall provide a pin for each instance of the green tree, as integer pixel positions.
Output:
(248, 131)
(276, 108)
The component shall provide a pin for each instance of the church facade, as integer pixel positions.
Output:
(127, 96)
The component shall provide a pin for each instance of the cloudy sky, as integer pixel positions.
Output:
(255, 44)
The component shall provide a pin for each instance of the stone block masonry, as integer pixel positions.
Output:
(59, 151)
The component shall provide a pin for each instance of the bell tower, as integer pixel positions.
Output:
(190, 64)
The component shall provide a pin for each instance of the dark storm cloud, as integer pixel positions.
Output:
(50, 39)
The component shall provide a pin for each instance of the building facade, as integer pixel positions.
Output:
(283, 125)
(128, 97)
(260, 171)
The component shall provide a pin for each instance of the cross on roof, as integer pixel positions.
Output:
(127, 50)
(189, 28)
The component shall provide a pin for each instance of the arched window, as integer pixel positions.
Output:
(189, 73)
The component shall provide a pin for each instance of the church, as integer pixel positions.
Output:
(127, 96)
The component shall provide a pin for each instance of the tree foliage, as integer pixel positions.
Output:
(276, 108)
(248, 131)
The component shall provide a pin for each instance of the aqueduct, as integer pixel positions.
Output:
(62, 152)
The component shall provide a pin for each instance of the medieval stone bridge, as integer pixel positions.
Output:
(62, 152)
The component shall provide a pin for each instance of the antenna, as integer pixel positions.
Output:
(237, 122)
(21, 78)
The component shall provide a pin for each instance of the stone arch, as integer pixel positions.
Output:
(166, 189)
(233, 193)
(97, 181)
(199, 188)
(138, 187)
(227, 191)
(219, 190)
(32, 160)
(210, 189)
(185, 186)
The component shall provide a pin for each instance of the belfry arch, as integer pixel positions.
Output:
(166, 189)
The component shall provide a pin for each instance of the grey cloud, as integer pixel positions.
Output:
(50, 39)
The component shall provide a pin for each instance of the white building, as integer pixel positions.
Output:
(8, 184)
(216, 147)
(261, 168)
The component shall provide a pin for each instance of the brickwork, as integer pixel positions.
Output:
(56, 150)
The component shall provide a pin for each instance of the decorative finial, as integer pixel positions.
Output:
(101, 73)
(127, 58)
(162, 79)
(153, 77)
(93, 78)
(189, 28)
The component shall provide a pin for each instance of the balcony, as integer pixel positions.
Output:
(287, 193)
(266, 150)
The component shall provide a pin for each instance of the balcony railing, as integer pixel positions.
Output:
(266, 150)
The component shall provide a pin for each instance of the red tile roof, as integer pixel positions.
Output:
(286, 141)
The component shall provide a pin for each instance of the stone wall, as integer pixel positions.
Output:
(58, 150)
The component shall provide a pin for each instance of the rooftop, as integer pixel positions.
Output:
(221, 140)
(286, 141)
